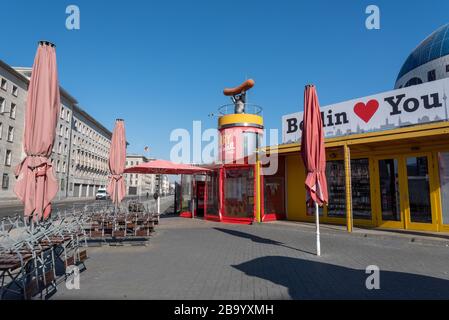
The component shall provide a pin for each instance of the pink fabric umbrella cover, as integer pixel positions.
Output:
(36, 185)
(312, 148)
(117, 157)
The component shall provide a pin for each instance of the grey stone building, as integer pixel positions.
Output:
(91, 141)
(13, 93)
(81, 146)
(139, 184)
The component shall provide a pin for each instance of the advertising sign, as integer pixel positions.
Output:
(414, 105)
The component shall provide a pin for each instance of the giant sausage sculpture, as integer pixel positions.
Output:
(238, 95)
(245, 86)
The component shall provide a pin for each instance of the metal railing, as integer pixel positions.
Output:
(250, 108)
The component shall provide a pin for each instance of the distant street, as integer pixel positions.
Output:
(14, 209)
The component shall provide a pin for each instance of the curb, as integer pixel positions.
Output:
(423, 238)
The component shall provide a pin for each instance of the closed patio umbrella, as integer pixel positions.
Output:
(117, 158)
(36, 183)
(314, 155)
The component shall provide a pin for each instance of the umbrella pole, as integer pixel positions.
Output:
(317, 218)
(193, 197)
(158, 201)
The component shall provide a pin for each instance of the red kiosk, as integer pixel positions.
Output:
(229, 192)
(234, 189)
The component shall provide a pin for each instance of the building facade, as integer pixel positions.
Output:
(139, 184)
(81, 146)
(62, 144)
(388, 158)
(13, 94)
(89, 169)
(428, 62)
(162, 184)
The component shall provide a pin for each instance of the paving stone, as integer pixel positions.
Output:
(197, 259)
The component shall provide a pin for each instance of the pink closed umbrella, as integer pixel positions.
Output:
(117, 157)
(36, 185)
(314, 155)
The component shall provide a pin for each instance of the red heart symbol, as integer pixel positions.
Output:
(366, 111)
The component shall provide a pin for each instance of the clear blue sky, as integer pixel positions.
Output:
(161, 64)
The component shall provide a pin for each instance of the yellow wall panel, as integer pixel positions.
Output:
(296, 192)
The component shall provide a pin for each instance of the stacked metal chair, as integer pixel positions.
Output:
(34, 257)
(129, 221)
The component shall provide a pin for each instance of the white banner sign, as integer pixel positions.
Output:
(393, 109)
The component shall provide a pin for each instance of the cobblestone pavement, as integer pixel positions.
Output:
(196, 259)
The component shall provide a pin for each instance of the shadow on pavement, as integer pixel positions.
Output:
(258, 239)
(316, 280)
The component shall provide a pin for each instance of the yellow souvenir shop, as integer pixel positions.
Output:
(387, 161)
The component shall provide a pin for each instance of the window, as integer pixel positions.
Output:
(413, 81)
(431, 76)
(389, 190)
(250, 143)
(67, 133)
(10, 134)
(335, 172)
(2, 105)
(61, 130)
(5, 181)
(58, 166)
(12, 113)
(60, 148)
(238, 193)
(3, 84)
(1, 130)
(8, 158)
(62, 113)
(62, 184)
(65, 148)
(443, 161)
(15, 91)
(419, 190)
(68, 116)
(361, 190)
(274, 202)
(447, 68)
(63, 166)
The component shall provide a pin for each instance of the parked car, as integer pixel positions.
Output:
(101, 194)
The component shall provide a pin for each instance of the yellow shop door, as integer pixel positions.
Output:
(404, 196)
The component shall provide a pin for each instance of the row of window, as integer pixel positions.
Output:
(4, 87)
(102, 151)
(90, 133)
(65, 114)
(10, 133)
(431, 76)
(60, 166)
(12, 109)
(60, 148)
(8, 158)
(5, 181)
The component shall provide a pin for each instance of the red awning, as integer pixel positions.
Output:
(165, 167)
